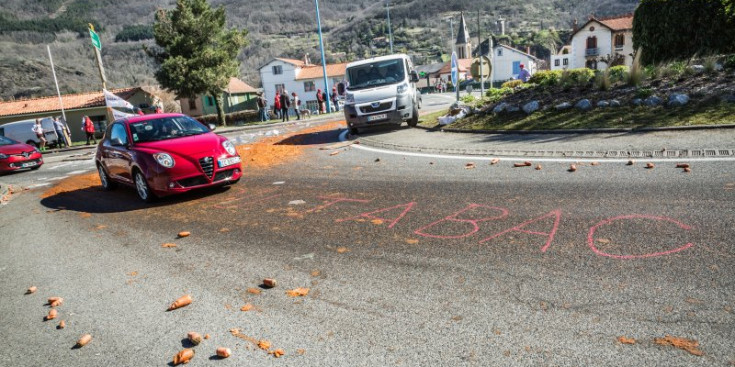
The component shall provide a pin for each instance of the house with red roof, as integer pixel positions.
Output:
(238, 96)
(300, 76)
(598, 44)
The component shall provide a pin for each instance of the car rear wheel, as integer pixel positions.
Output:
(142, 188)
(354, 131)
(415, 118)
(107, 183)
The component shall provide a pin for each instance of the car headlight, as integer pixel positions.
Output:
(350, 98)
(229, 147)
(3, 156)
(402, 88)
(164, 159)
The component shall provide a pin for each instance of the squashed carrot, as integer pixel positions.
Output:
(52, 313)
(183, 357)
(84, 340)
(181, 302)
(194, 337)
(223, 352)
(31, 290)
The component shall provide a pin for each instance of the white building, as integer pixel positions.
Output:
(507, 63)
(300, 77)
(598, 44)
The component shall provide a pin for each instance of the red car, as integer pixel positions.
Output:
(165, 154)
(15, 155)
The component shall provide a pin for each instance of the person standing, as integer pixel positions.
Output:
(285, 103)
(296, 103)
(262, 108)
(524, 75)
(277, 104)
(59, 128)
(320, 100)
(88, 128)
(335, 99)
(38, 129)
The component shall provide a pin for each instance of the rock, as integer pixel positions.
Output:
(615, 103)
(512, 108)
(653, 101)
(584, 105)
(500, 108)
(603, 104)
(563, 106)
(531, 107)
(637, 102)
(697, 69)
(678, 100)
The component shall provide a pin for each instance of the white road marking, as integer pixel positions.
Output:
(279, 182)
(38, 185)
(61, 165)
(57, 178)
(78, 172)
(343, 137)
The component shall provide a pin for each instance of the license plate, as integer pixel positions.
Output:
(382, 116)
(228, 161)
(29, 164)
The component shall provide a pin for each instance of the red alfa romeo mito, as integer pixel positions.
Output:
(165, 154)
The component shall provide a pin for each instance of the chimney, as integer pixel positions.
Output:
(575, 25)
(528, 50)
(501, 26)
(306, 59)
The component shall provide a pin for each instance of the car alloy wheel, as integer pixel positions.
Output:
(104, 179)
(141, 186)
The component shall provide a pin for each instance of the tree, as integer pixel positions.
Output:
(198, 55)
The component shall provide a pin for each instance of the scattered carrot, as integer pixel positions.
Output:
(650, 165)
(31, 290)
(538, 167)
(183, 357)
(168, 245)
(246, 308)
(194, 337)
(524, 164)
(342, 250)
(631, 162)
(206, 336)
(62, 324)
(57, 302)
(687, 170)
(181, 302)
(682, 165)
(300, 351)
(223, 352)
(270, 282)
(278, 353)
(84, 340)
(298, 292)
(334, 153)
(625, 340)
(595, 164)
(254, 290)
(572, 168)
(494, 161)
(53, 299)
(469, 165)
(264, 344)
(184, 234)
(689, 345)
(52, 313)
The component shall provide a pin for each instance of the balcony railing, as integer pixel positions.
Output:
(592, 52)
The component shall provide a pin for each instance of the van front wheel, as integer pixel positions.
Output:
(414, 118)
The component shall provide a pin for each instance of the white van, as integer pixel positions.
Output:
(22, 131)
(381, 91)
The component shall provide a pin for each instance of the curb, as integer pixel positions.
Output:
(581, 131)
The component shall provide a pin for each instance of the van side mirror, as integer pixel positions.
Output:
(414, 77)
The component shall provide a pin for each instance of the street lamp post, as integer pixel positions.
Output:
(324, 61)
(390, 31)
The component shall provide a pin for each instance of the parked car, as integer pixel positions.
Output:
(15, 155)
(165, 154)
(23, 131)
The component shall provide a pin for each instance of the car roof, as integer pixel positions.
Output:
(375, 59)
(155, 116)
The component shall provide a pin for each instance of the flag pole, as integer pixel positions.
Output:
(56, 81)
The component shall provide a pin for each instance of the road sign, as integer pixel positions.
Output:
(95, 39)
(455, 69)
(486, 68)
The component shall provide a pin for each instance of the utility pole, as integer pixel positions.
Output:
(56, 81)
(390, 31)
(97, 47)
(324, 61)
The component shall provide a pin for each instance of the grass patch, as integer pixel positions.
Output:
(620, 117)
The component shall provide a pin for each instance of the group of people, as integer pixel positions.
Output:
(60, 128)
(284, 103)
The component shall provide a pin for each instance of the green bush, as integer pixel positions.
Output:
(643, 93)
(468, 99)
(729, 62)
(137, 32)
(618, 74)
(546, 77)
(235, 118)
(494, 95)
(512, 84)
(673, 70)
(602, 80)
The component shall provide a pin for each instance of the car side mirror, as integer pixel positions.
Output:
(212, 126)
(414, 77)
(117, 142)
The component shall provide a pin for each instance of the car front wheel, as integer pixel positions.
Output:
(107, 184)
(142, 188)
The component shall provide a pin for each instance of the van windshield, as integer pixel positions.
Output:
(376, 74)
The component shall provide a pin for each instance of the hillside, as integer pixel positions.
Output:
(277, 28)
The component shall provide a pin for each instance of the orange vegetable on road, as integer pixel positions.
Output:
(278, 353)
(31, 290)
(84, 340)
(264, 344)
(62, 324)
(223, 352)
(298, 292)
(183, 356)
(57, 302)
(194, 337)
(52, 313)
(181, 302)
(184, 234)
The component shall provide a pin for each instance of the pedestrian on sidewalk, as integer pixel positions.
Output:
(320, 99)
(277, 104)
(285, 104)
(38, 129)
(524, 75)
(335, 98)
(296, 103)
(60, 137)
(88, 128)
(262, 107)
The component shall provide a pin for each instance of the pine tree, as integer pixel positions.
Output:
(198, 55)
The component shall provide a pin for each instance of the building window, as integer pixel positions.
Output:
(566, 61)
(192, 104)
(309, 86)
(312, 105)
(619, 40)
(500, 52)
(277, 69)
(556, 62)
(210, 101)
(565, 52)
(591, 64)
(591, 42)
(592, 29)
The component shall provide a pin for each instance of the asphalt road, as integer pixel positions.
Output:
(410, 261)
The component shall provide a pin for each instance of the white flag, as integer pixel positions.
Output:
(112, 100)
(117, 115)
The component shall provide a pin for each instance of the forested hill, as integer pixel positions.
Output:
(353, 29)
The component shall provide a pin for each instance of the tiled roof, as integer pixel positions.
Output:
(619, 23)
(463, 66)
(238, 86)
(316, 71)
(71, 102)
(299, 63)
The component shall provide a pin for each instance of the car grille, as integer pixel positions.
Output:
(207, 164)
(193, 181)
(381, 107)
(221, 175)
(24, 154)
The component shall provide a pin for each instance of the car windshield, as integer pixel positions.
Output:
(7, 141)
(166, 128)
(376, 74)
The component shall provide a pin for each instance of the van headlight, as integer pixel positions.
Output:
(350, 98)
(229, 147)
(402, 88)
(164, 159)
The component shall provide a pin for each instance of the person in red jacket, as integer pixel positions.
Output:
(88, 128)
(320, 99)
(277, 104)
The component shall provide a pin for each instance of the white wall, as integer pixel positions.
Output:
(579, 45)
(503, 65)
(561, 58)
(288, 79)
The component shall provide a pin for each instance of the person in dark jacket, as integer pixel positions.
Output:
(335, 99)
(285, 104)
(320, 100)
